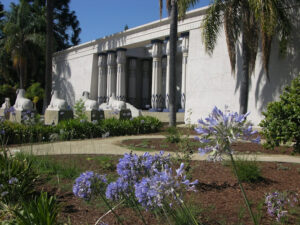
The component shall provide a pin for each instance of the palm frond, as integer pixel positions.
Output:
(211, 25)
(184, 5)
(232, 31)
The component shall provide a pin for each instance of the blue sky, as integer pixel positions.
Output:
(99, 18)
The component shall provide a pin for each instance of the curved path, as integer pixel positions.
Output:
(112, 146)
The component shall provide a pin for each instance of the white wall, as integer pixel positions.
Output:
(73, 76)
(210, 83)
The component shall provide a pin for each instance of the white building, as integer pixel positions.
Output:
(133, 64)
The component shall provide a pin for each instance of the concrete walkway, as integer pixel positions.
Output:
(112, 146)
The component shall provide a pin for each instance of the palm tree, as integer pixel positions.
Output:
(49, 49)
(20, 38)
(249, 19)
(173, 7)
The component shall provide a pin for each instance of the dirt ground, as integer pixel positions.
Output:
(241, 147)
(218, 199)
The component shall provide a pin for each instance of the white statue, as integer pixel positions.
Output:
(22, 103)
(57, 103)
(88, 103)
(6, 104)
(116, 104)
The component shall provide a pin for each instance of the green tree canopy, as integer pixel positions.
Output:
(65, 23)
(21, 38)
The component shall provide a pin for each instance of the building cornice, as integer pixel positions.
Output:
(131, 37)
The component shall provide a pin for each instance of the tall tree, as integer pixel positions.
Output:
(66, 28)
(20, 38)
(249, 19)
(49, 49)
(172, 7)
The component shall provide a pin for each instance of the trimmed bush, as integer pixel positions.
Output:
(282, 118)
(15, 133)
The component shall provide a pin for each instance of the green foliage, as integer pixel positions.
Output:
(45, 165)
(42, 210)
(173, 135)
(36, 93)
(7, 91)
(282, 119)
(79, 110)
(186, 150)
(34, 90)
(16, 133)
(23, 25)
(248, 170)
(17, 178)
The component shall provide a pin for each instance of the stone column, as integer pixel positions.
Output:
(185, 52)
(167, 76)
(121, 64)
(163, 79)
(156, 89)
(111, 74)
(132, 80)
(146, 84)
(102, 78)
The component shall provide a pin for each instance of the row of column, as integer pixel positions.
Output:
(160, 100)
(112, 72)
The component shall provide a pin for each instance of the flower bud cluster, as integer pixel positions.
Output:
(220, 129)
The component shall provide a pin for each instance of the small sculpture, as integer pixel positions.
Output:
(57, 103)
(22, 103)
(88, 103)
(6, 105)
(116, 104)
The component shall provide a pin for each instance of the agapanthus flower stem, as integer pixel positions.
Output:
(109, 211)
(243, 191)
(185, 208)
(138, 209)
(169, 222)
(110, 208)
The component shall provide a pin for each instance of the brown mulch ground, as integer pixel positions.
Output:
(241, 147)
(218, 200)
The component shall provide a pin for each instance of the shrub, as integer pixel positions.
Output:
(248, 170)
(282, 119)
(17, 178)
(79, 110)
(15, 133)
(42, 210)
(173, 135)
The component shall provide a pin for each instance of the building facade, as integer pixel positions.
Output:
(134, 65)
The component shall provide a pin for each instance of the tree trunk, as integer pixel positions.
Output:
(244, 89)
(172, 77)
(48, 72)
(21, 74)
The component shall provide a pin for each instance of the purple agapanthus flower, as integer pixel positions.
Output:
(220, 129)
(277, 203)
(88, 184)
(13, 180)
(117, 190)
(152, 191)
